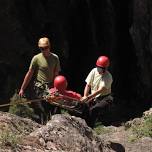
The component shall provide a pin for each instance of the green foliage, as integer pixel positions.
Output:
(132, 138)
(63, 111)
(100, 129)
(144, 129)
(19, 108)
(8, 138)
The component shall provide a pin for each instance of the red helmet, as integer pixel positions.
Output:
(103, 61)
(60, 82)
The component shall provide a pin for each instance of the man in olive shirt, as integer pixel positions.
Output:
(44, 66)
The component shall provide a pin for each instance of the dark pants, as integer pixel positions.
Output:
(90, 111)
(98, 107)
(42, 109)
(83, 109)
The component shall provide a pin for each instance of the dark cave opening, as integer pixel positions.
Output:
(84, 51)
(80, 31)
(124, 63)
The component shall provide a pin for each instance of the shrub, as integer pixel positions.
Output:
(8, 138)
(144, 129)
(18, 107)
(100, 129)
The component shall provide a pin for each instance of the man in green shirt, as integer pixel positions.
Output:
(44, 67)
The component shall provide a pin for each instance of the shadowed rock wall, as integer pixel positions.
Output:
(80, 31)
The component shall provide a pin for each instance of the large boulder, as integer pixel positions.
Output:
(62, 133)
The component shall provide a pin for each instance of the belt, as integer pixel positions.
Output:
(44, 83)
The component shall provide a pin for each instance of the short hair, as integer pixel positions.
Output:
(43, 42)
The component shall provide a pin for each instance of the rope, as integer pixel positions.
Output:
(23, 102)
(53, 102)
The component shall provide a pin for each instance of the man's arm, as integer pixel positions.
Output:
(93, 95)
(88, 97)
(86, 90)
(26, 81)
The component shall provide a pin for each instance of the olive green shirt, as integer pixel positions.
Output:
(45, 68)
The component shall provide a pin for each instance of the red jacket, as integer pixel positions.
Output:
(67, 93)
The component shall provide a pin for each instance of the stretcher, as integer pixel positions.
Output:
(56, 99)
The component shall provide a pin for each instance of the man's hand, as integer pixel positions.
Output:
(84, 99)
(21, 93)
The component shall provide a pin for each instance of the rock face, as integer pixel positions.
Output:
(141, 34)
(80, 31)
(62, 133)
(65, 133)
(128, 138)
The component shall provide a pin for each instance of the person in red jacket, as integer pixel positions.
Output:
(60, 86)
(73, 98)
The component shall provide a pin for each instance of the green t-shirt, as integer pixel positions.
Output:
(45, 68)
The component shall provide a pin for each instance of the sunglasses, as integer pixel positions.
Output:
(43, 48)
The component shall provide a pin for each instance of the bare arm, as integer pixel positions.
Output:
(93, 95)
(86, 90)
(26, 81)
